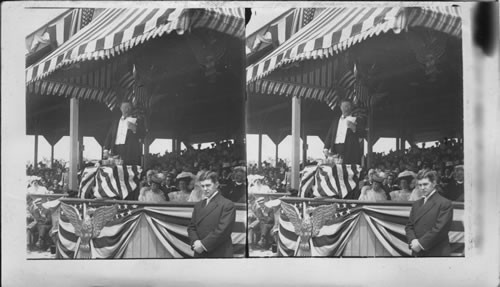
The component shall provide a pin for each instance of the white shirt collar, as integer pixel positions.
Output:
(428, 196)
(211, 197)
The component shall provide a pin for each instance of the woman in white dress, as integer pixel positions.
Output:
(184, 192)
(405, 178)
(376, 192)
(153, 193)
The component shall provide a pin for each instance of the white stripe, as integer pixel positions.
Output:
(281, 31)
(329, 172)
(327, 230)
(121, 178)
(397, 210)
(60, 32)
(184, 212)
(179, 244)
(131, 175)
(104, 185)
(379, 236)
(401, 245)
(456, 236)
(340, 174)
(327, 249)
(238, 238)
(179, 229)
(109, 231)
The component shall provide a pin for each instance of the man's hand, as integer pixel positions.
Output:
(198, 247)
(351, 125)
(132, 127)
(415, 246)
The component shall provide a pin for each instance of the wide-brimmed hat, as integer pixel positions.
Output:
(260, 200)
(407, 173)
(185, 175)
(158, 178)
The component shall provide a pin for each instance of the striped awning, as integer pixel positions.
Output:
(280, 88)
(336, 29)
(115, 31)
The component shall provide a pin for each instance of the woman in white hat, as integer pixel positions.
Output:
(376, 192)
(184, 179)
(153, 193)
(404, 179)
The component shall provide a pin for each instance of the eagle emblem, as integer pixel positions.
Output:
(310, 225)
(94, 219)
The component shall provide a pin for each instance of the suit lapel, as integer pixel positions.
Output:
(205, 211)
(424, 208)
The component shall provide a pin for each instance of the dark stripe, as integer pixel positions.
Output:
(168, 218)
(108, 181)
(322, 193)
(117, 38)
(346, 180)
(164, 17)
(458, 247)
(457, 226)
(239, 249)
(68, 54)
(117, 180)
(402, 220)
(138, 30)
(326, 240)
(81, 49)
(288, 234)
(328, 181)
(101, 191)
(356, 28)
(63, 250)
(399, 251)
(70, 236)
(300, 49)
(266, 64)
(53, 34)
(288, 26)
(150, 15)
(172, 244)
(99, 44)
(133, 20)
(381, 17)
(46, 66)
(67, 27)
(112, 241)
(336, 177)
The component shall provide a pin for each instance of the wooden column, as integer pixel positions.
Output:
(259, 158)
(276, 158)
(35, 160)
(52, 155)
(295, 143)
(74, 145)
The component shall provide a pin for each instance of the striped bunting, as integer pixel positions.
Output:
(336, 29)
(115, 31)
(109, 182)
(329, 180)
(168, 224)
(387, 222)
(288, 89)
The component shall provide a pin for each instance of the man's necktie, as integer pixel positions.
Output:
(204, 204)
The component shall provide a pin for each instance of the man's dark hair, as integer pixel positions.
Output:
(209, 175)
(431, 175)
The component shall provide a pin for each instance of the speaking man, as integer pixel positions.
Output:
(343, 137)
(430, 220)
(212, 221)
(124, 136)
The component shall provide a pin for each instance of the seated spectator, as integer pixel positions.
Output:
(258, 187)
(454, 190)
(376, 192)
(265, 216)
(390, 184)
(36, 188)
(184, 179)
(404, 179)
(236, 189)
(153, 193)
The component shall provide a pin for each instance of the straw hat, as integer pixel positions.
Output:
(185, 175)
(378, 177)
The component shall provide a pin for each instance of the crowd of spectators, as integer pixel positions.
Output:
(393, 176)
(47, 177)
(175, 175)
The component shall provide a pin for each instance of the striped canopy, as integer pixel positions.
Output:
(336, 29)
(115, 31)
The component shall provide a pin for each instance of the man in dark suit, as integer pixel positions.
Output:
(212, 221)
(343, 138)
(124, 136)
(236, 189)
(454, 190)
(430, 220)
